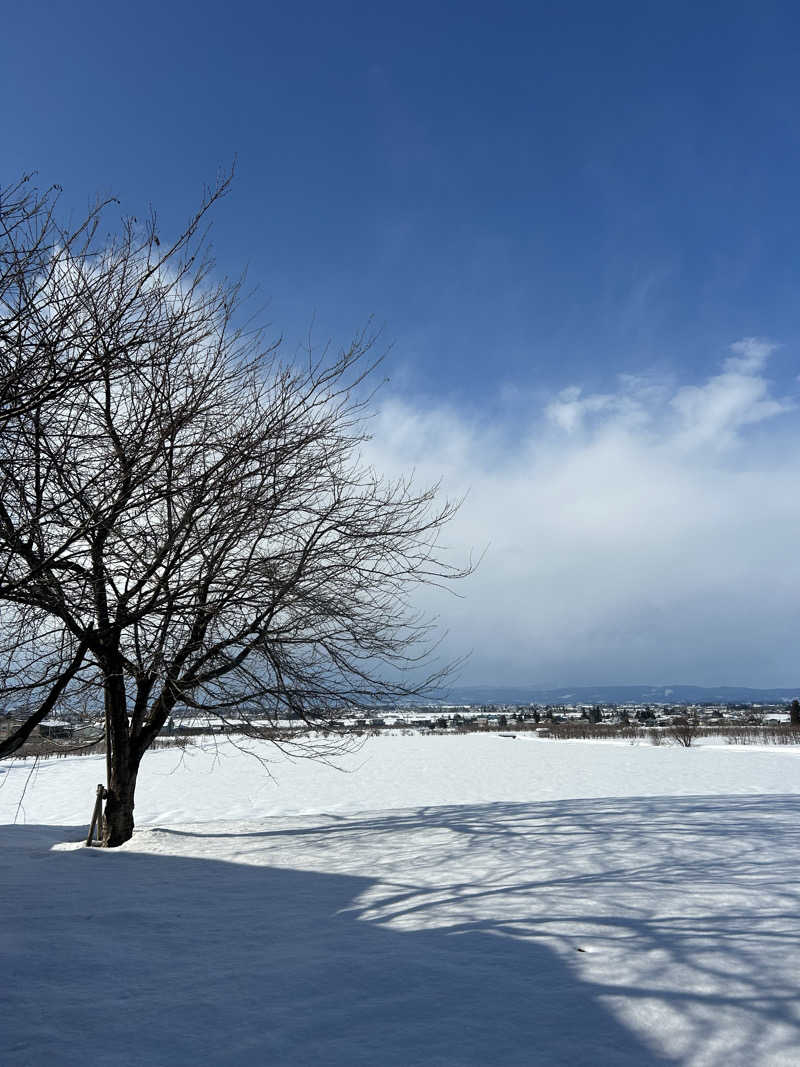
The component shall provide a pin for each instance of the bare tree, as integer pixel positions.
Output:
(186, 521)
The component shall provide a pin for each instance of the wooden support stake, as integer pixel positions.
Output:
(97, 817)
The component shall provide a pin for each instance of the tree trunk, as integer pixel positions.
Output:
(118, 822)
(122, 760)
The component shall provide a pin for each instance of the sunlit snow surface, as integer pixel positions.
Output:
(468, 900)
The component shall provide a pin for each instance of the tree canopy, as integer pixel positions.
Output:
(186, 520)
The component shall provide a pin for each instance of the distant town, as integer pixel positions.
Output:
(502, 716)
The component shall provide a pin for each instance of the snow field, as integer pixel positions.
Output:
(448, 900)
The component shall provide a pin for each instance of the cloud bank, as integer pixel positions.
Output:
(650, 534)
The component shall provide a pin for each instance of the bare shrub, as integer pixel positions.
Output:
(684, 731)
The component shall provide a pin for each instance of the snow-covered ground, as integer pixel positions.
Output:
(468, 900)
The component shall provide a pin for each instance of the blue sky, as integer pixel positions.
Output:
(533, 199)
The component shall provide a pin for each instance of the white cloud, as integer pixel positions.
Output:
(714, 413)
(640, 535)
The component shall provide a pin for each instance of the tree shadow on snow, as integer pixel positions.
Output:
(124, 958)
(140, 958)
(688, 907)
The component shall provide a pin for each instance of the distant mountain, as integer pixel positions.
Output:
(617, 694)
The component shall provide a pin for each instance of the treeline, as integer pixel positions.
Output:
(685, 733)
(776, 734)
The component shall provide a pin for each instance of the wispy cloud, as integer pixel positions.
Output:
(648, 533)
(715, 412)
